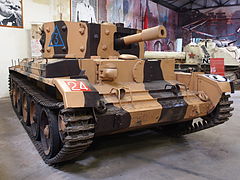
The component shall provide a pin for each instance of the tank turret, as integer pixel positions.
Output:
(62, 39)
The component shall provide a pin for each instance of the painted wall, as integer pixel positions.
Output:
(164, 16)
(15, 43)
(222, 23)
(225, 23)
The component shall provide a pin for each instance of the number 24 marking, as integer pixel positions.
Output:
(77, 86)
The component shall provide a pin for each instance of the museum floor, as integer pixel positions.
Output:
(210, 154)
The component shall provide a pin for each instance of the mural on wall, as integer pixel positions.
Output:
(158, 14)
(132, 14)
(135, 14)
(224, 23)
(11, 13)
(111, 11)
(60, 9)
(84, 10)
(219, 23)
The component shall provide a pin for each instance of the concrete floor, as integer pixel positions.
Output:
(210, 154)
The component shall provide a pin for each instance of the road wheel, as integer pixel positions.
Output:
(34, 119)
(25, 108)
(16, 95)
(61, 127)
(49, 133)
(17, 100)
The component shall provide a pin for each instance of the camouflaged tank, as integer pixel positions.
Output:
(197, 57)
(92, 80)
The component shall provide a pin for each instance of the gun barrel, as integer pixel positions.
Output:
(153, 33)
(164, 55)
(146, 35)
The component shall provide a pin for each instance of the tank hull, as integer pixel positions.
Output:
(99, 102)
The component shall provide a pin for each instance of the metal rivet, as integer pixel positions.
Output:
(107, 32)
(64, 49)
(82, 48)
(104, 47)
(64, 28)
(95, 36)
(81, 30)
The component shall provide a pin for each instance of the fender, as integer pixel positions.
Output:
(212, 85)
(77, 93)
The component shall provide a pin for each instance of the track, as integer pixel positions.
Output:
(78, 125)
(220, 114)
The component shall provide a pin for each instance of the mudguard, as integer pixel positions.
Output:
(77, 93)
(212, 85)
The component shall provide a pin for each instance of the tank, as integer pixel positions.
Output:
(92, 80)
(197, 56)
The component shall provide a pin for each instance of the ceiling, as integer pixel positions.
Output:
(183, 5)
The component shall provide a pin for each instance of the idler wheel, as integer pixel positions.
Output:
(50, 140)
(33, 119)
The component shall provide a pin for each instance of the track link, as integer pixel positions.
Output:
(76, 141)
(79, 130)
(220, 114)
